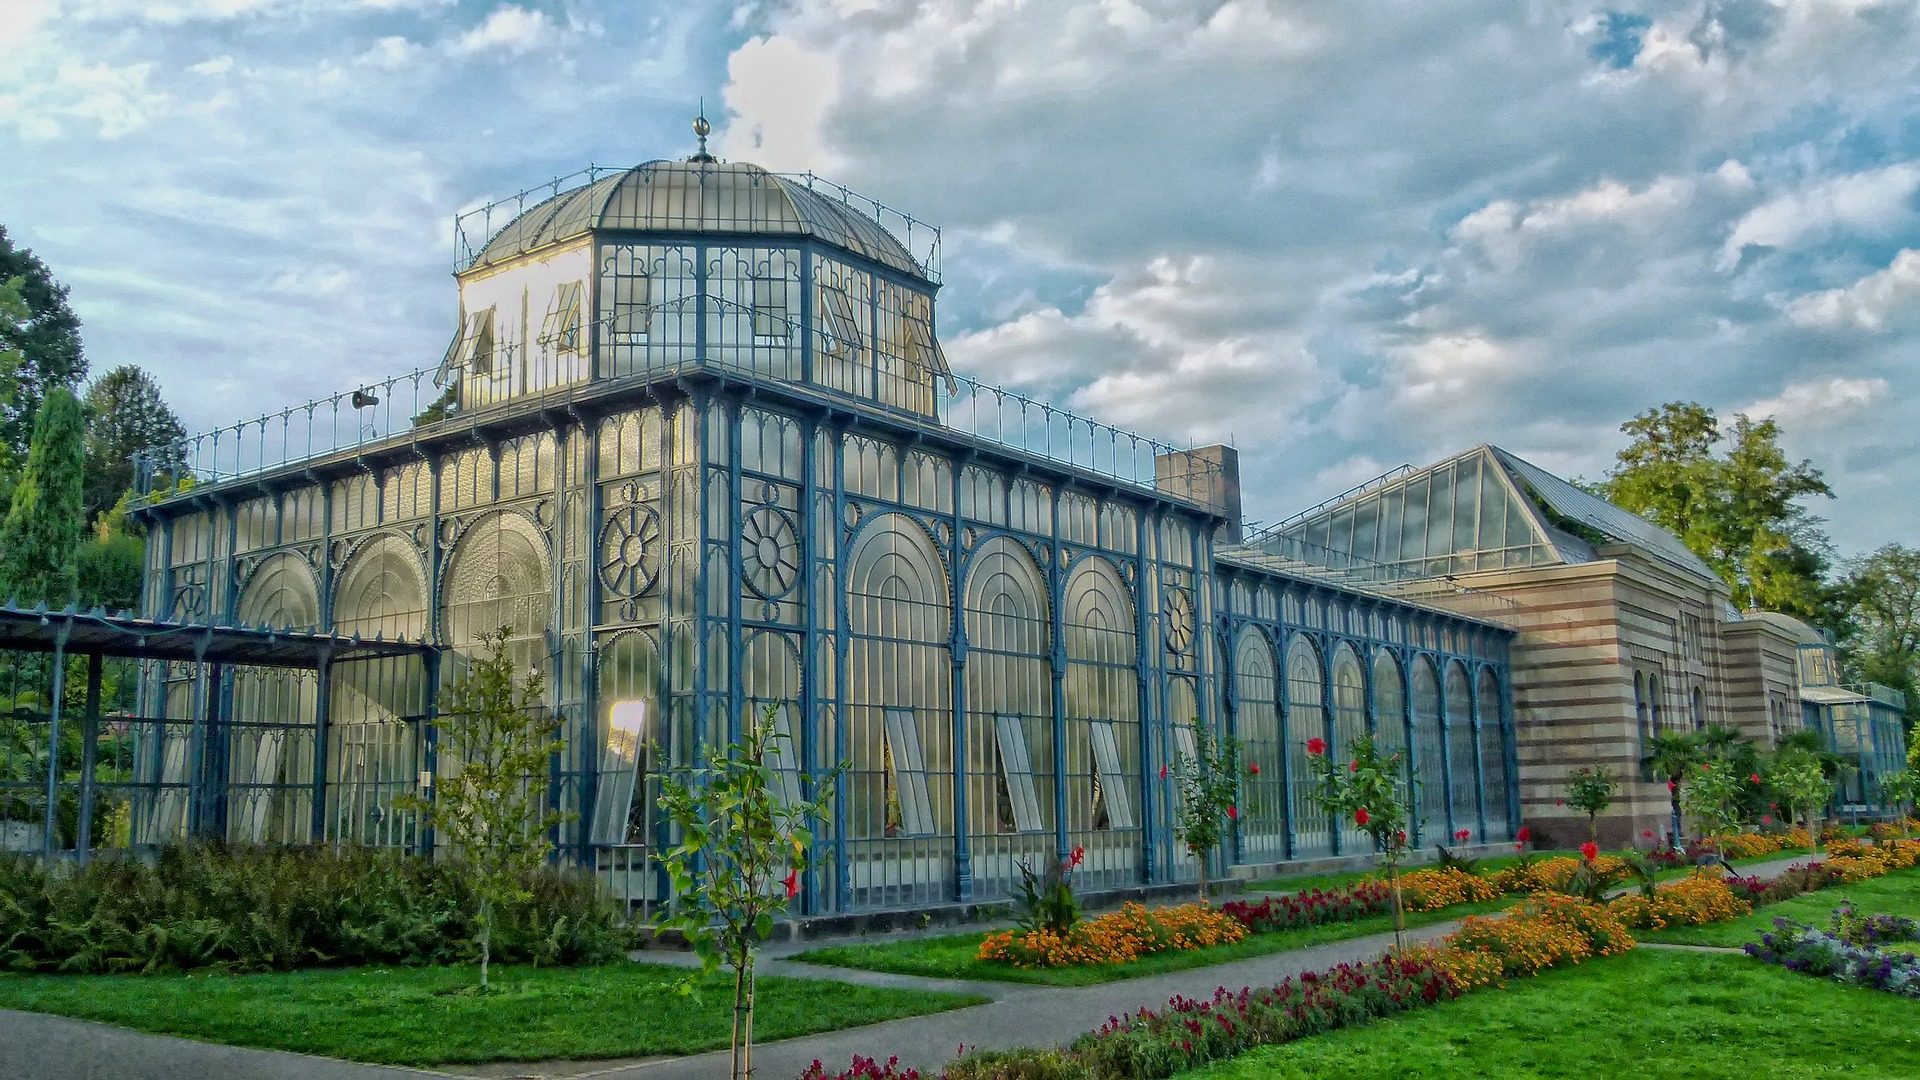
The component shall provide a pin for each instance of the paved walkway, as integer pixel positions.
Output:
(37, 1045)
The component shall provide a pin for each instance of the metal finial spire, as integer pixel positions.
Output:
(701, 129)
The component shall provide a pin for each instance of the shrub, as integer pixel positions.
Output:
(1691, 901)
(1432, 889)
(1115, 938)
(274, 909)
(1553, 874)
(1312, 907)
(1023, 1064)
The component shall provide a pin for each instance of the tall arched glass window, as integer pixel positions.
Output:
(1430, 751)
(1349, 724)
(1493, 753)
(1306, 719)
(1103, 721)
(899, 786)
(1461, 748)
(1640, 714)
(1263, 817)
(373, 755)
(1009, 714)
(271, 720)
(1390, 710)
(1653, 704)
(1699, 708)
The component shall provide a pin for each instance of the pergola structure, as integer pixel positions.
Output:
(210, 652)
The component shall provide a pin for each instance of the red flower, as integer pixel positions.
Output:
(1646, 834)
(1462, 835)
(1360, 816)
(1400, 837)
(1755, 778)
(1706, 766)
(1589, 851)
(1074, 857)
(1316, 746)
(1766, 819)
(1233, 812)
(1253, 769)
(1559, 802)
(1163, 772)
(1773, 806)
(1525, 834)
(792, 882)
(1353, 766)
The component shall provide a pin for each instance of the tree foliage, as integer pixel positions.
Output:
(46, 341)
(41, 534)
(126, 417)
(1371, 791)
(493, 811)
(1882, 642)
(1803, 785)
(1739, 510)
(1670, 757)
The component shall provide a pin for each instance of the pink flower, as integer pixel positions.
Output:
(1316, 746)
(792, 882)
(1589, 851)
(1766, 819)
(1360, 816)
(1754, 778)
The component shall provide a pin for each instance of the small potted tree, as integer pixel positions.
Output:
(1591, 792)
(1370, 791)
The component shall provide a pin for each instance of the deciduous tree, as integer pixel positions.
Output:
(47, 341)
(126, 417)
(1209, 786)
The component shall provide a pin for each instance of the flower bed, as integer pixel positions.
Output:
(1312, 907)
(1546, 931)
(1542, 875)
(1754, 844)
(1117, 937)
(1691, 901)
(1850, 951)
(1442, 887)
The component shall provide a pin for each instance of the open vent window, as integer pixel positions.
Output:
(561, 331)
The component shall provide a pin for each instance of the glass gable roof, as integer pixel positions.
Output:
(1485, 509)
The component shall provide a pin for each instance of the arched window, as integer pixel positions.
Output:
(270, 739)
(498, 577)
(628, 676)
(1640, 713)
(1699, 708)
(1430, 750)
(373, 756)
(898, 714)
(1460, 749)
(1263, 818)
(1390, 709)
(1010, 715)
(1653, 704)
(1306, 719)
(1103, 721)
(1493, 753)
(1349, 724)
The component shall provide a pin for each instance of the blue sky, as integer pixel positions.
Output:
(1345, 236)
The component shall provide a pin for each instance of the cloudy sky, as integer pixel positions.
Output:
(1344, 236)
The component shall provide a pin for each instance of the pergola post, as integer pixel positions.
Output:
(90, 736)
(50, 824)
(322, 717)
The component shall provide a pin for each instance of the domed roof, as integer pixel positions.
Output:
(700, 196)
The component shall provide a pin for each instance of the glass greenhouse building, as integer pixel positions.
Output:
(695, 443)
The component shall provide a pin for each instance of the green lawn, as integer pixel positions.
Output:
(1895, 894)
(417, 1016)
(1650, 1012)
(952, 956)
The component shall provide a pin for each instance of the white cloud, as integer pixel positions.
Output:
(1875, 202)
(1822, 403)
(511, 29)
(110, 100)
(1873, 303)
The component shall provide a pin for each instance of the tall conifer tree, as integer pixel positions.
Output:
(40, 538)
